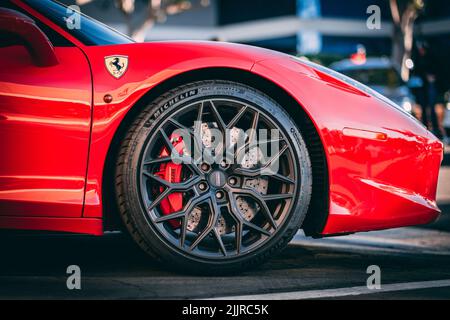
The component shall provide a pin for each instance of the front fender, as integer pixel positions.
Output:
(383, 166)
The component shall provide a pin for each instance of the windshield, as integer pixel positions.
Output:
(89, 31)
(375, 77)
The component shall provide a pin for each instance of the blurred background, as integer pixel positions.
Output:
(401, 48)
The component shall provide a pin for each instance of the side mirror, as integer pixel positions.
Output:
(414, 82)
(37, 43)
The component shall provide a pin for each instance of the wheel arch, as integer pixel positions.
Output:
(318, 210)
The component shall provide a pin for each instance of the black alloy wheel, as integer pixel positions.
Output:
(201, 188)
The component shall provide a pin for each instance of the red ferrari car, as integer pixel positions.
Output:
(90, 128)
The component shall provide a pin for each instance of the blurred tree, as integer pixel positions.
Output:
(404, 14)
(156, 11)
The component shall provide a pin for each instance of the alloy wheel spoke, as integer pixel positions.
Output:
(222, 127)
(270, 141)
(281, 196)
(171, 216)
(178, 124)
(275, 157)
(160, 198)
(200, 113)
(250, 143)
(248, 146)
(261, 201)
(282, 178)
(183, 230)
(239, 230)
(167, 142)
(237, 217)
(174, 186)
(252, 173)
(220, 242)
(196, 137)
(215, 213)
(193, 202)
(237, 117)
(253, 128)
(257, 228)
(200, 237)
(215, 209)
(157, 160)
(220, 122)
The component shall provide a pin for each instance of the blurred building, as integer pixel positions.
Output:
(312, 27)
(306, 26)
(327, 26)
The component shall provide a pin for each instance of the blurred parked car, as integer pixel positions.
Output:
(381, 75)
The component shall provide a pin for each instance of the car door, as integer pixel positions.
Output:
(45, 117)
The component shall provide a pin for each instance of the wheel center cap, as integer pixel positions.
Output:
(217, 179)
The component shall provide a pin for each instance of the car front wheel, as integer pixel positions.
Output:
(213, 177)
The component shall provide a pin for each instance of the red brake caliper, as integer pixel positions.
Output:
(171, 172)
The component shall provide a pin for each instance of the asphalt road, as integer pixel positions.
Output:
(414, 264)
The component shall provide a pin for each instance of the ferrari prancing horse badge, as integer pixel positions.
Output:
(116, 65)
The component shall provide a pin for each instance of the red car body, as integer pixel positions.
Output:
(56, 130)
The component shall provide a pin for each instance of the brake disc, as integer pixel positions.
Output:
(194, 219)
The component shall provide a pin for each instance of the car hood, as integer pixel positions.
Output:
(204, 48)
